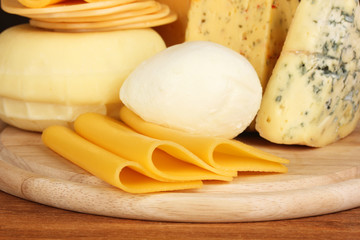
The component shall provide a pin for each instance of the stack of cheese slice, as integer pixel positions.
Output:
(313, 95)
(107, 15)
(140, 157)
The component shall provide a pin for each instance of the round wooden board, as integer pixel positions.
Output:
(319, 181)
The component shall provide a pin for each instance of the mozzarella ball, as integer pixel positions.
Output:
(198, 87)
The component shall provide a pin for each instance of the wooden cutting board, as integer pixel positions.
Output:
(319, 181)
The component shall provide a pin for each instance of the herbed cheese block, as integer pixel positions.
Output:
(256, 29)
(312, 97)
(49, 78)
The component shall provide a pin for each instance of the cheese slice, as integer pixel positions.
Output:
(39, 3)
(131, 26)
(98, 15)
(127, 175)
(88, 15)
(313, 95)
(221, 153)
(256, 29)
(163, 13)
(50, 3)
(167, 160)
(15, 7)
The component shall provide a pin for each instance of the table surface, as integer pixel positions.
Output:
(22, 219)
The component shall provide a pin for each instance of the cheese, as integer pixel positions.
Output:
(198, 87)
(126, 175)
(106, 14)
(48, 3)
(39, 3)
(313, 95)
(225, 154)
(256, 29)
(162, 16)
(167, 160)
(44, 74)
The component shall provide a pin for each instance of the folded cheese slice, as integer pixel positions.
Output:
(127, 175)
(225, 154)
(169, 161)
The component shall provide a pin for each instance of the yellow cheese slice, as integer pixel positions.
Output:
(167, 160)
(15, 7)
(140, 25)
(111, 24)
(126, 175)
(39, 3)
(218, 152)
(102, 15)
(117, 9)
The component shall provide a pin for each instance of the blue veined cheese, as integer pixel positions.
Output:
(313, 95)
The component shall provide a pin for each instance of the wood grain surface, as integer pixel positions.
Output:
(319, 181)
(23, 220)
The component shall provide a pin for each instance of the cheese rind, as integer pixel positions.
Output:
(313, 95)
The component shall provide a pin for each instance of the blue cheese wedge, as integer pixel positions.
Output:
(312, 97)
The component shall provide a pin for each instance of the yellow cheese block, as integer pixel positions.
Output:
(38, 115)
(167, 160)
(225, 154)
(43, 68)
(256, 29)
(126, 175)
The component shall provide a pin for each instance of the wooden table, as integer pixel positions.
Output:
(22, 219)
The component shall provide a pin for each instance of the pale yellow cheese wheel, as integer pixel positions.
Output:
(52, 77)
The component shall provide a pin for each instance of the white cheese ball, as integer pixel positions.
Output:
(198, 87)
